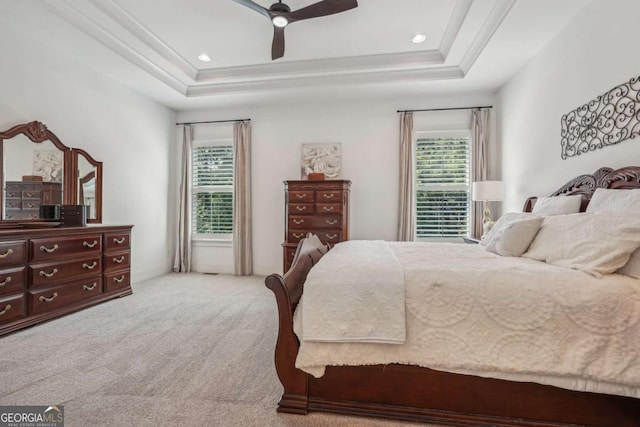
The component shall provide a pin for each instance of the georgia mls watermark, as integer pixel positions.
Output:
(32, 416)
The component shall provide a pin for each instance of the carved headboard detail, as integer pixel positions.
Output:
(585, 185)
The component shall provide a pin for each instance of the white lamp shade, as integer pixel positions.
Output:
(487, 191)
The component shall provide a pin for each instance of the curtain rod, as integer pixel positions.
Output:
(444, 109)
(213, 121)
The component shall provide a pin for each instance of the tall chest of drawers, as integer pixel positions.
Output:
(23, 198)
(319, 207)
(47, 273)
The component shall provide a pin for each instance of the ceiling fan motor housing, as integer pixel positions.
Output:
(280, 7)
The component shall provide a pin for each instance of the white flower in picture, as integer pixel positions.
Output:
(325, 158)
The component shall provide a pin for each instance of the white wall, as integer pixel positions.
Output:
(131, 135)
(369, 135)
(594, 53)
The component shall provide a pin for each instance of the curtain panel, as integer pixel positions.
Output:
(182, 260)
(406, 211)
(242, 247)
(480, 136)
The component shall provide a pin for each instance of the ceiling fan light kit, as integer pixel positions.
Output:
(281, 15)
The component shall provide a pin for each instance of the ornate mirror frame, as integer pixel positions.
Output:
(81, 179)
(37, 132)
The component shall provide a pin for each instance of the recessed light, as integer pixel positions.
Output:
(419, 38)
(204, 57)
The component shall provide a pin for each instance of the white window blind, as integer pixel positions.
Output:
(442, 187)
(213, 190)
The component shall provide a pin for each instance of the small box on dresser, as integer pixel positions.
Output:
(319, 207)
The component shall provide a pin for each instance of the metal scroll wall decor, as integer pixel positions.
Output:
(609, 119)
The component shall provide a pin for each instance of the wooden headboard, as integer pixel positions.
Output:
(585, 185)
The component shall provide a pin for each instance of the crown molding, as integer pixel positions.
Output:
(99, 33)
(395, 76)
(499, 11)
(137, 29)
(453, 27)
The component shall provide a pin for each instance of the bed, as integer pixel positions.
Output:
(409, 392)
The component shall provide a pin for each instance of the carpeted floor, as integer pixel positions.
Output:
(183, 350)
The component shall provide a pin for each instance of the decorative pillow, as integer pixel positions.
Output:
(515, 237)
(616, 201)
(502, 222)
(632, 267)
(596, 244)
(312, 246)
(557, 205)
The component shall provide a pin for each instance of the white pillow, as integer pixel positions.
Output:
(515, 237)
(502, 222)
(594, 243)
(557, 205)
(632, 267)
(617, 201)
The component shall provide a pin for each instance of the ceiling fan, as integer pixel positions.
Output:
(281, 15)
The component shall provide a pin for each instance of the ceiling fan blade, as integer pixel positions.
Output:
(322, 8)
(254, 6)
(277, 47)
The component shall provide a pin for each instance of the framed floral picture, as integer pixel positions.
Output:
(322, 158)
(48, 165)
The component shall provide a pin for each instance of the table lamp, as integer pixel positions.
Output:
(487, 191)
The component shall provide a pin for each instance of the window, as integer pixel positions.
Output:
(213, 190)
(442, 185)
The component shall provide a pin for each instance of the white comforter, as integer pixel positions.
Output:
(348, 310)
(470, 311)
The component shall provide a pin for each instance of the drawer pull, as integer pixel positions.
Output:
(328, 196)
(331, 236)
(301, 196)
(33, 216)
(90, 266)
(298, 236)
(301, 208)
(328, 208)
(30, 205)
(29, 194)
(89, 245)
(48, 275)
(89, 287)
(51, 298)
(7, 253)
(118, 260)
(5, 281)
(298, 221)
(47, 250)
(118, 279)
(118, 241)
(6, 308)
(332, 221)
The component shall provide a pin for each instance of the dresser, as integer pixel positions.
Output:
(49, 272)
(23, 198)
(319, 207)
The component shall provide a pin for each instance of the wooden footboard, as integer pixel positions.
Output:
(420, 394)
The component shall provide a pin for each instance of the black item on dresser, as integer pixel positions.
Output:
(319, 207)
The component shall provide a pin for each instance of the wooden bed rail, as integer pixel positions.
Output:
(288, 290)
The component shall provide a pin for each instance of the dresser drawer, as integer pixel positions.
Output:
(329, 236)
(116, 261)
(329, 208)
(321, 221)
(31, 204)
(328, 196)
(52, 298)
(12, 308)
(46, 249)
(31, 194)
(13, 253)
(12, 203)
(301, 196)
(116, 281)
(294, 236)
(116, 241)
(12, 280)
(56, 272)
(301, 208)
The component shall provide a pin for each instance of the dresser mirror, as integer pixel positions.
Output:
(37, 169)
(89, 184)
